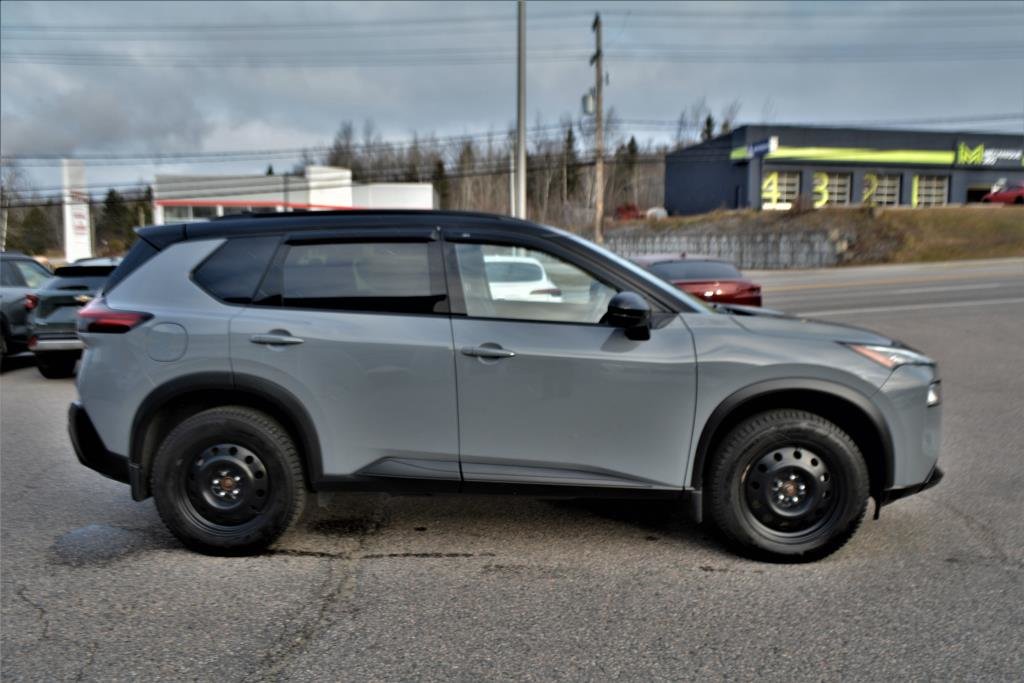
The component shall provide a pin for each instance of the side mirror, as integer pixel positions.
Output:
(632, 313)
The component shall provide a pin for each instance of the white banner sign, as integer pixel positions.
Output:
(77, 228)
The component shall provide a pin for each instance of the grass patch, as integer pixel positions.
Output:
(873, 235)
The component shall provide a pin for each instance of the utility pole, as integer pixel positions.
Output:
(597, 61)
(520, 206)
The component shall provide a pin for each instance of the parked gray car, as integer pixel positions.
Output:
(20, 275)
(233, 366)
(52, 321)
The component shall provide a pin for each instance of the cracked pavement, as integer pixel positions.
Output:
(371, 587)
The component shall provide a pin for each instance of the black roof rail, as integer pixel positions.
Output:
(248, 215)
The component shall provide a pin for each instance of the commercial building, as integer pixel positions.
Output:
(772, 167)
(178, 198)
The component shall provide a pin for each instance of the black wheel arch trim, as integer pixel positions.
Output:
(760, 390)
(261, 389)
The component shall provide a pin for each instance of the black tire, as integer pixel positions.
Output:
(223, 444)
(56, 364)
(787, 485)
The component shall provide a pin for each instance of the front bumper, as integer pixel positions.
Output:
(90, 449)
(893, 495)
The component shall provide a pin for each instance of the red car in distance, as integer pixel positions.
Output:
(1008, 194)
(709, 279)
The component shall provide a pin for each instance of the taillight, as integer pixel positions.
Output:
(553, 291)
(33, 342)
(31, 301)
(98, 317)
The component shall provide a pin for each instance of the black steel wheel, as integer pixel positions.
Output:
(228, 481)
(787, 485)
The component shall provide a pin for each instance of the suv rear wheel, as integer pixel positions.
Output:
(787, 485)
(228, 481)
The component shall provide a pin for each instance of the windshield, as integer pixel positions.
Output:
(696, 270)
(689, 301)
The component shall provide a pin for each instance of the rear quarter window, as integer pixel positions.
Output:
(233, 272)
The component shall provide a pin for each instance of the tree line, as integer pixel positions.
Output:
(471, 173)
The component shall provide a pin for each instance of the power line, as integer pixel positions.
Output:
(278, 154)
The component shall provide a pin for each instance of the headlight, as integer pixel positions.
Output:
(891, 356)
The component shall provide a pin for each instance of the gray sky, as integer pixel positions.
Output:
(226, 76)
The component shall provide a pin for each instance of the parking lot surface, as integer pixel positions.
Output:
(372, 587)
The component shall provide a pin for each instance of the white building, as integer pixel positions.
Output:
(181, 198)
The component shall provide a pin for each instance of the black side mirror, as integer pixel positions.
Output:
(632, 313)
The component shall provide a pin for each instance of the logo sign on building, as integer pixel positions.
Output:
(763, 147)
(980, 155)
(77, 228)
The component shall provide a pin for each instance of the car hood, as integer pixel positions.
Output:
(777, 324)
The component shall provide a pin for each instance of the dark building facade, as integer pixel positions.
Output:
(771, 167)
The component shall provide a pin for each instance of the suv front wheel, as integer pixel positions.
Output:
(228, 481)
(787, 485)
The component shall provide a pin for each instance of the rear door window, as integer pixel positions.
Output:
(375, 277)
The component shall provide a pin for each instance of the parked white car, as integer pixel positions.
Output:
(520, 278)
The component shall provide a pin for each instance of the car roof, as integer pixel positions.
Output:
(656, 259)
(277, 223)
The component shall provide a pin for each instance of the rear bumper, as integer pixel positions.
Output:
(37, 345)
(90, 449)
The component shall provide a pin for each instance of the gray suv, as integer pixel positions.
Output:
(233, 366)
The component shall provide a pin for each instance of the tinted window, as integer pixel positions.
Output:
(75, 283)
(512, 271)
(389, 277)
(140, 252)
(234, 271)
(696, 270)
(9, 275)
(33, 274)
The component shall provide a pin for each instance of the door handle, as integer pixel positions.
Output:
(487, 352)
(275, 339)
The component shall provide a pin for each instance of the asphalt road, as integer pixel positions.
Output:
(472, 588)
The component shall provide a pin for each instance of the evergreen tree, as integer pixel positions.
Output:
(34, 235)
(440, 180)
(709, 128)
(114, 229)
(270, 169)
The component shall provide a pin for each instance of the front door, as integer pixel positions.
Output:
(547, 393)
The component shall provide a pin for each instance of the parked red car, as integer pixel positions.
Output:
(706, 278)
(1008, 194)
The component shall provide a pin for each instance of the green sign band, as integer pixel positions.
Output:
(856, 155)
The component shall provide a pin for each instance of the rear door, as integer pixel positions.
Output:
(548, 394)
(355, 326)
